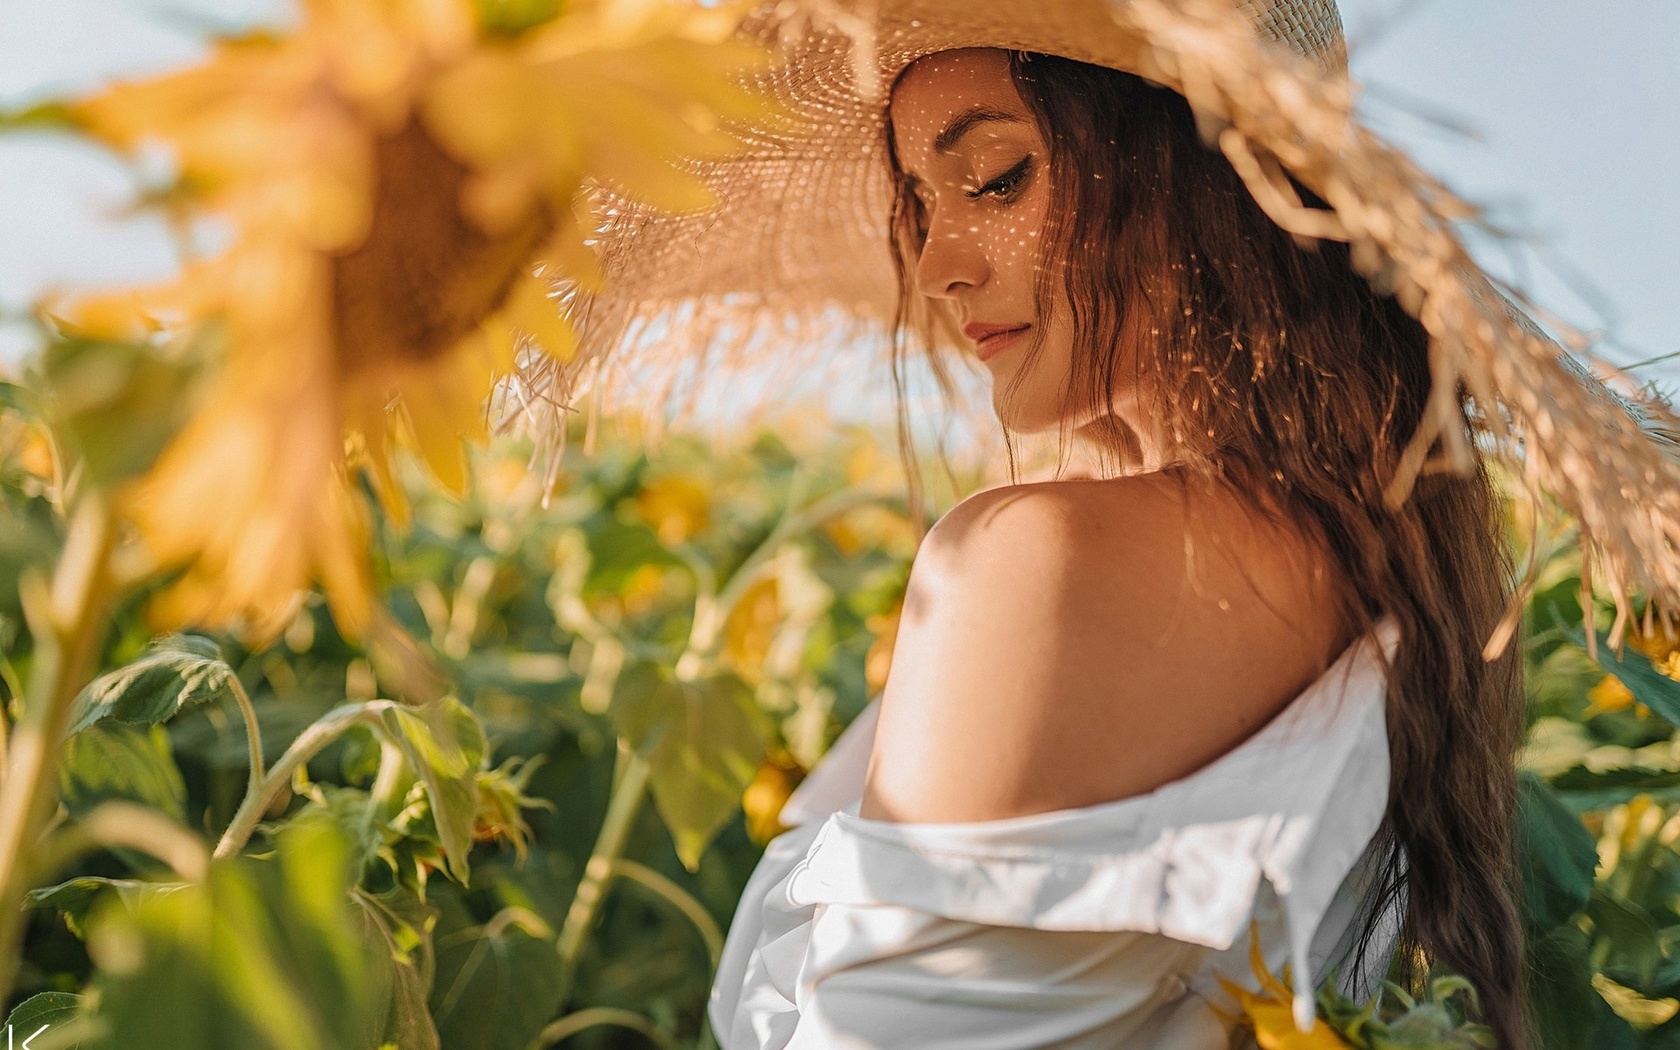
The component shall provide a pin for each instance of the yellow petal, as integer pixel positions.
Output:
(532, 311)
(1608, 696)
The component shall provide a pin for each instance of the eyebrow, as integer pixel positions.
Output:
(967, 121)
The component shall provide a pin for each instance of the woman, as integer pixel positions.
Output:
(1243, 678)
(1072, 649)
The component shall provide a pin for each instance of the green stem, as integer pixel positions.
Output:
(678, 898)
(68, 625)
(253, 734)
(323, 731)
(385, 798)
(572, 1024)
(792, 524)
(626, 800)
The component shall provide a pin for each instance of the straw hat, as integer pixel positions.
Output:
(792, 268)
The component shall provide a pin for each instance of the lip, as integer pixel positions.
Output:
(991, 339)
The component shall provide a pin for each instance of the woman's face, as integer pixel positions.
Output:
(979, 169)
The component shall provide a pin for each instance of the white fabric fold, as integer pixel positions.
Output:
(1078, 927)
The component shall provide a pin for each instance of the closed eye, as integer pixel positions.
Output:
(1005, 186)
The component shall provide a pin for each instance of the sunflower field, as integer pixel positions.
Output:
(327, 723)
(520, 807)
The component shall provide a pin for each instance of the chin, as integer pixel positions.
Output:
(1025, 419)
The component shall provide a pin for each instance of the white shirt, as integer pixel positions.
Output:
(1101, 926)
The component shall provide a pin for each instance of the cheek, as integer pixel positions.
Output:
(1014, 238)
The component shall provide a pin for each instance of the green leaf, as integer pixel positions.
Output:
(171, 674)
(352, 811)
(34, 1019)
(77, 899)
(402, 924)
(1648, 685)
(1633, 778)
(264, 955)
(52, 115)
(1557, 854)
(20, 399)
(1567, 1009)
(704, 741)
(445, 746)
(131, 763)
(618, 550)
(1665, 981)
(1612, 1032)
(1633, 946)
(497, 984)
(513, 17)
(28, 540)
(118, 403)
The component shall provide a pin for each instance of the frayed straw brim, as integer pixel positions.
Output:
(792, 268)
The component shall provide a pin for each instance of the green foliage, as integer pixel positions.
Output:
(704, 740)
(134, 763)
(1395, 1020)
(1600, 816)
(498, 982)
(1634, 669)
(699, 617)
(117, 404)
(262, 954)
(38, 1015)
(171, 674)
(1557, 853)
(76, 898)
(445, 744)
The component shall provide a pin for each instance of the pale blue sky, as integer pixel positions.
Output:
(1576, 104)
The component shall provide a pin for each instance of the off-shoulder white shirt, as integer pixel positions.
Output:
(1102, 926)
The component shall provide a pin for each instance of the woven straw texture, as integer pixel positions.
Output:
(792, 269)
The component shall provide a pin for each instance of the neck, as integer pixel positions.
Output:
(1109, 446)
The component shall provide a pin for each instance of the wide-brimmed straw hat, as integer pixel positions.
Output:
(792, 269)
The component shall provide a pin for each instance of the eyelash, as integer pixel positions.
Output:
(1004, 186)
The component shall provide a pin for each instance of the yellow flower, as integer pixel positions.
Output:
(1656, 645)
(764, 797)
(676, 507)
(751, 628)
(1610, 695)
(643, 590)
(1270, 1012)
(403, 183)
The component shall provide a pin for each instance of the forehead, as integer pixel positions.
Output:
(938, 89)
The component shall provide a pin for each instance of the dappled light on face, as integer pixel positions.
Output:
(974, 176)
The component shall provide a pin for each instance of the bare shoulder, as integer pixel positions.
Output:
(1075, 642)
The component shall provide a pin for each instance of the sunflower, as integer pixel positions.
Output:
(405, 185)
(1269, 1012)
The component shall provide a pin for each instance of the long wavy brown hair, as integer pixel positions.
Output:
(1280, 371)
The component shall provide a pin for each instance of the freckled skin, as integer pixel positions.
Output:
(981, 254)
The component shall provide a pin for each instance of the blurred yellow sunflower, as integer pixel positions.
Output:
(404, 186)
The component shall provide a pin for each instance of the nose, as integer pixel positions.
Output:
(952, 262)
